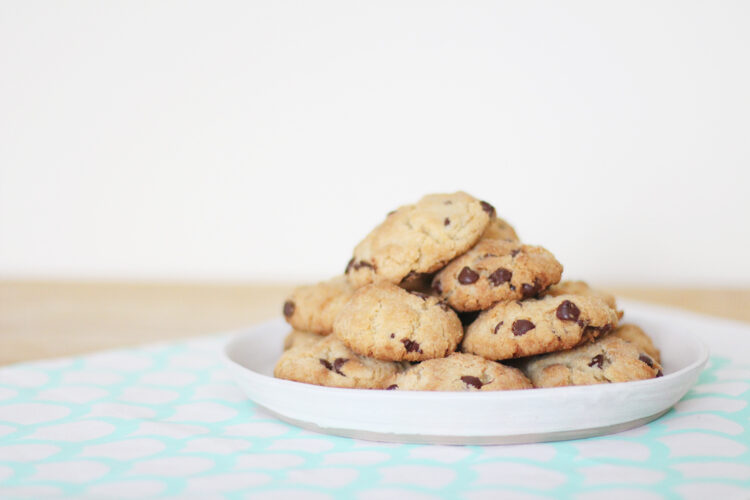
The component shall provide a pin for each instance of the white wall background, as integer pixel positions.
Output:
(261, 140)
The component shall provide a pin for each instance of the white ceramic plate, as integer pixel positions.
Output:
(500, 417)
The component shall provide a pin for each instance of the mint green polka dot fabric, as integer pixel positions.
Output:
(167, 421)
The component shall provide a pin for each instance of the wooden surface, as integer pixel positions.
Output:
(51, 319)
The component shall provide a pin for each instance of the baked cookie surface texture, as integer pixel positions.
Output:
(499, 229)
(636, 336)
(386, 322)
(461, 372)
(496, 270)
(419, 238)
(582, 288)
(535, 326)
(609, 359)
(312, 308)
(298, 338)
(330, 363)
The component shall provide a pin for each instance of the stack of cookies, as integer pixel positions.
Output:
(443, 296)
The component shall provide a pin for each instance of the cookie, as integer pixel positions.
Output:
(499, 229)
(419, 238)
(313, 308)
(330, 363)
(297, 338)
(460, 372)
(609, 359)
(638, 337)
(535, 326)
(582, 288)
(386, 322)
(496, 270)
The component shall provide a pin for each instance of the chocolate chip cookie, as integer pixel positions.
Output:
(608, 359)
(638, 338)
(386, 322)
(499, 229)
(496, 270)
(419, 238)
(535, 326)
(330, 363)
(297, 338)
(312, 308)
(460, 372)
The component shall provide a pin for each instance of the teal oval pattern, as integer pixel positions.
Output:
(167, 421)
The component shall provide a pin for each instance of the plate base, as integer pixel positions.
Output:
(470, 440)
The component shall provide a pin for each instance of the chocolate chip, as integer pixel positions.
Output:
(528, 290)
(288, 308)
(437, 287)
(420, 295)
(487, 208)
(521, 326)
(497, 327)
(361, 264)
(659, 374)
(338, 363)
(568, 311)
(647, 360)
(597, 360)
(349, 265)
(326, 363)
(391, 387)
(473, 381)
(606, 328)
(581, 323)
(467, 276)
(515, 252)
(410, 345)
(446, 221)
(500, 276)
(512, 288)
(393, 335)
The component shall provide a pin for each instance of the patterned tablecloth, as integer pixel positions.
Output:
(167, 421)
